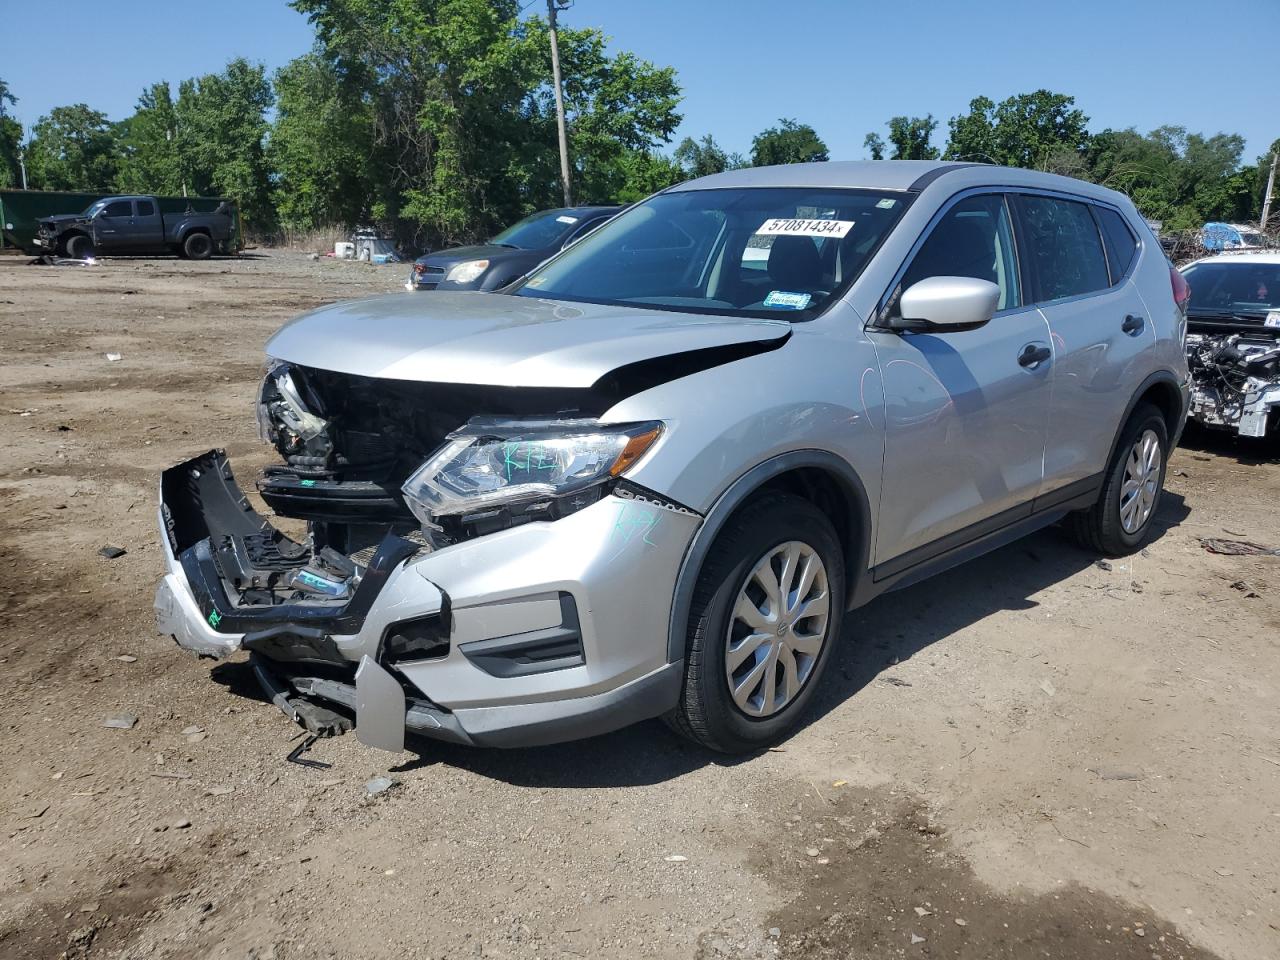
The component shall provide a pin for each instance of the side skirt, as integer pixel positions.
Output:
(982, 537)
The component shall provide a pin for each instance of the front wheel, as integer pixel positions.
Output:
(79, 247)
(1121, 519)
(766, 612)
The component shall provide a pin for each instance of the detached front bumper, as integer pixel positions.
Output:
(545, 632)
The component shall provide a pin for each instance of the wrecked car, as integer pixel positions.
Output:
(136, 225)
(649, 479)
(1233, 342)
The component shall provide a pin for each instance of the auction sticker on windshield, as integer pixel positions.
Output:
(804, 228)
(787, 301)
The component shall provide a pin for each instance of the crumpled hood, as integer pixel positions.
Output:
(487, 338)
(62, 219)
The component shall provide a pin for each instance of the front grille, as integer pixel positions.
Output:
(427, 270)
(427, 286)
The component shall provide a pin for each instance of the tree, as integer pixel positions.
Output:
(643, 173)
(462, 112)
(1026, 130)
(73, 148)
(788, 142)
(220, 136)
(910, 137)
(701, 158)
(320, 148)
(149, 161)
(10, 141)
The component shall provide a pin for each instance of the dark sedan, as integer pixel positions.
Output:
(509, 255)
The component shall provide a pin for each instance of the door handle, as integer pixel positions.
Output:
(1133, 324)
(1033, 355)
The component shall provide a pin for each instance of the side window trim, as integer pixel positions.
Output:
(1106, 247)
(890, 295)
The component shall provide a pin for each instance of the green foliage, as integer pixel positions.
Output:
(910, 137)
(220, 136)
(788, 142)
(149, 160)
(463, 115)
(10, 141)
(320, 148)
(1027, 130)
(874, 144)
(73, 148)
(645, 172)
(1183, 179)
(702, 158)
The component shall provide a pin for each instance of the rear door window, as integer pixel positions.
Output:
(1120, 243)
(1061, 248)
(973, 239)
(146, 208)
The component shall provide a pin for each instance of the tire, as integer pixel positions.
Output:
(1113, 526)
(79, 247)
(757, 541)
(197, 246)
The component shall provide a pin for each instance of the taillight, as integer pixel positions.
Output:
(1181, 289)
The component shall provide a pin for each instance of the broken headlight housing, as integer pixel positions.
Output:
(542, 469)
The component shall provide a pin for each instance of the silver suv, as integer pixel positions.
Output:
(651, 477)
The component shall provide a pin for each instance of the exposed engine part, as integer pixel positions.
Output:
(1235, 381)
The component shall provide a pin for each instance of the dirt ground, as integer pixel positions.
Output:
(1031, 756)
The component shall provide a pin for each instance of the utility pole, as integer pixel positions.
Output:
(1266, 200)
(22, 165)
(553, 7)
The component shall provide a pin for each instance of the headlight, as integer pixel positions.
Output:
(476, 469)
(466, 272)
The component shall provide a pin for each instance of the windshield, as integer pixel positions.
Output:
(763, 251)
(1236, 287)
(538, 231)
(94, 207)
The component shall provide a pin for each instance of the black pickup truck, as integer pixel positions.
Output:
(135, 225)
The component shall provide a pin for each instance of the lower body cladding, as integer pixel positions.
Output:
(544, 632)
(1235, 380)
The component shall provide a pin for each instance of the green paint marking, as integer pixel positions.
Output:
(308, 483)
(214, 618)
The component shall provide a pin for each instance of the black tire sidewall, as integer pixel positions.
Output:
(1147, 418)
(198, 246)
(788, 518)
(79, 247)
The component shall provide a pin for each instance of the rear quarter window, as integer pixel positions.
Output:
(1119, 240)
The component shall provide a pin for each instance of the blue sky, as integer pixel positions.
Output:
(844, 66)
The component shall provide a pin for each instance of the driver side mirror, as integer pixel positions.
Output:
(941, 304)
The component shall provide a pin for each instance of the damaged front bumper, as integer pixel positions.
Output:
(544, 632)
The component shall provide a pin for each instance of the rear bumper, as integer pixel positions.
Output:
(549, 631)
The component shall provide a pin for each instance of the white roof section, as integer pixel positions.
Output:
(1245, 257)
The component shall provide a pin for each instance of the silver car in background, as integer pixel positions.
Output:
(651, 479)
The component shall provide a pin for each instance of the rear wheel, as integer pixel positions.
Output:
(197, 246)
(79, 247)
(1121, 520)
(766, 612)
